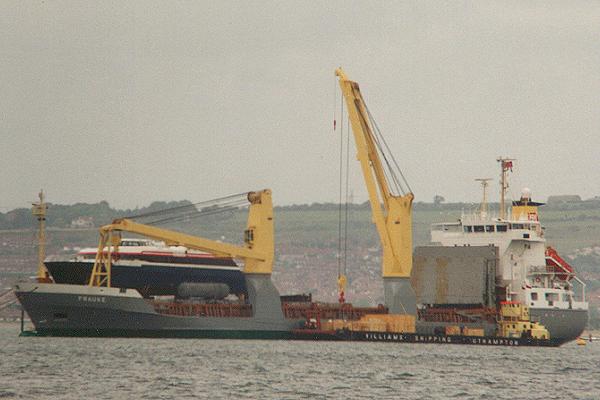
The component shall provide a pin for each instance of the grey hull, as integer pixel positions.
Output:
(563, 324)
(73, 310)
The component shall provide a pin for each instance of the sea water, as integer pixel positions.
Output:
(76, 368)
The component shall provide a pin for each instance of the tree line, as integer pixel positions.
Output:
(62, 216)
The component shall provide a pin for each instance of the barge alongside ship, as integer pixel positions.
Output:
(417, 338)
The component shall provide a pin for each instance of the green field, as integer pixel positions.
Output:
(318, 227)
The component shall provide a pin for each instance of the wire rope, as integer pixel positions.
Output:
(346, 201)
(339, 253)
(192, 216)
(195, 205)
(381, 138)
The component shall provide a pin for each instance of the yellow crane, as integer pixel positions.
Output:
(392, 214)
(257, 252)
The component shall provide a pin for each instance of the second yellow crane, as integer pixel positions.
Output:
(392, 213)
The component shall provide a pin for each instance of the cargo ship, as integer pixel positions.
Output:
(151, 267)
(206, 311)
(450, 294)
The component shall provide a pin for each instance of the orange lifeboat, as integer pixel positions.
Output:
(557, 265)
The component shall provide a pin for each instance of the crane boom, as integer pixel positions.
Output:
(257, 253)
(393, 221)
(174, 238)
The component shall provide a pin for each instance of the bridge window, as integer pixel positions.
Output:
(478, 228)
(501, 228)
(552, 296)
(468, 229)
(489, 228)
(534, 296)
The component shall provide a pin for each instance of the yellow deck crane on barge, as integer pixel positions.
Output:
(257, 253)
(391, 212)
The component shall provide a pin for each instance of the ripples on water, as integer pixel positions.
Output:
(74, 368)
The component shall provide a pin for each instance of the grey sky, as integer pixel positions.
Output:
(138, 101)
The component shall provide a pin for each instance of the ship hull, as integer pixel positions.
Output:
(75, 310)
(564, 324)
(239, 334)
(151, 279)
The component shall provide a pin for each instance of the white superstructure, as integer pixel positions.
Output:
(527, 271)
(521, 268)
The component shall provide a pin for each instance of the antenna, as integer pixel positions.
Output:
(483, 208)
(506, 165)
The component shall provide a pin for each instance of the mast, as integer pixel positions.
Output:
(483, 208)
(506, 165)
(39, 211)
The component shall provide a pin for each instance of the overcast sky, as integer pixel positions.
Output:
(132, 102)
